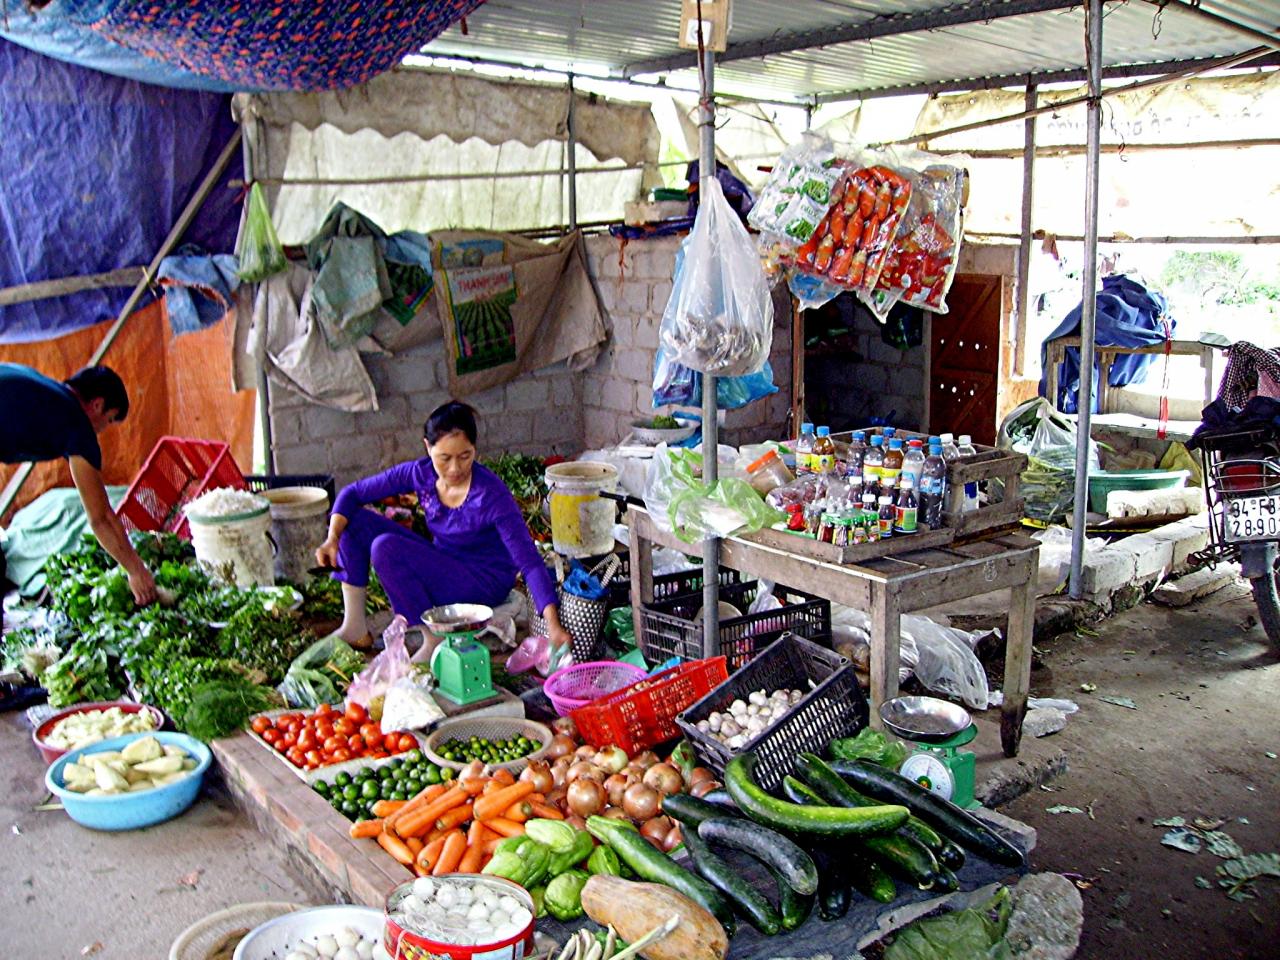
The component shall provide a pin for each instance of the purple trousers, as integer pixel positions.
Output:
(416, 574)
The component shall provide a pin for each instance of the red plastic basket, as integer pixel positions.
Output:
(177, 471)
(643, 715)
(579, 683)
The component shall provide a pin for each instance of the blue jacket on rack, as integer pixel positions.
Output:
(1129, 315)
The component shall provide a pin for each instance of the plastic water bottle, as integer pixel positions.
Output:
(966, 449)
(822, 458)
(933, 489)
(873, 459)
(804, 450)
(891, 469)
(949, 449)
(907, 507)
(913, 462)
(857, 447)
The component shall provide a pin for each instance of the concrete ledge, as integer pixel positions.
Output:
(1000, 779)
(1116, 575)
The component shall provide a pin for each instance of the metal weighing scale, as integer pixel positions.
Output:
(460, 664)
(945, 727)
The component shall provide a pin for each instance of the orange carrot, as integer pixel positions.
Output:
(537, 798)
(518, 812)
(491, 845)
(420, 870)
(544, 811)
(476, 837)
(504, 777)
(396, 847)
(475, 785)
(415, 845)
(454, 818)
(416, 802)
(422, 819)
(455, 845)
(430, 854)
(365, 828)
(494, 803)
(505, 827)
(384, 808)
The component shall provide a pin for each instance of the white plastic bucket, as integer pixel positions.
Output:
(299, 524)
(236, 549)
(581, 520)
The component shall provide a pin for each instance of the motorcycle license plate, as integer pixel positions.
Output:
(1252, 518)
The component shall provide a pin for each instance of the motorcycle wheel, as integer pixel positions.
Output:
(1266, 595)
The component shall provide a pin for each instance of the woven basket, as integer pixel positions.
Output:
(583, 618)
(488, 728)
(223, 930)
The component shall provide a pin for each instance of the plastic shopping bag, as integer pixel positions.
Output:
(1049, 441)
(719, 319)
(370, 688)
(259, 249)
(319, 673)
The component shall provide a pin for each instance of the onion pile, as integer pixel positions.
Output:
(461, 912)
(345, 944)
(747, 719)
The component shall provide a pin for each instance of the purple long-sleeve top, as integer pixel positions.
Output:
(485, 529)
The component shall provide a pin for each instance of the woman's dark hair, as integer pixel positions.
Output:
(449, 418)
(93, 383)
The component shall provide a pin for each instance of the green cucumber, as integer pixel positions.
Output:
(767, 846)
(653, 865)
(907, 857)
(951, 855)
(943, 815)
(834, 897)
(794, 818)
(814, 769)
(947, 881)
(719, 797)
(746, 899)
(794, 908)
(800, 793)
(691, 811)
(870, 879)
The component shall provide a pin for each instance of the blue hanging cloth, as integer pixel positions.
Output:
(1129, 315)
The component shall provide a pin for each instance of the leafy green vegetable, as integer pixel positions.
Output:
(665, 422)
(263, 638)
(88, 671)
(322, 597)
(321, 673)
(870, 745)
(973, 934)
(215, 605)
(525, 477)
(221, 707)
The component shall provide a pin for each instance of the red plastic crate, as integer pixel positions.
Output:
(177, 471)
(643, 715)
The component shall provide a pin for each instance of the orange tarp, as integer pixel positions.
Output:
(179, 386)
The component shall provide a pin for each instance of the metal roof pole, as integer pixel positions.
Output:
(572, 147)
(1024, 242)
(252, 145)
(1089, 303)
(710, 420)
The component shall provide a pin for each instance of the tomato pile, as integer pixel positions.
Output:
(328, 735)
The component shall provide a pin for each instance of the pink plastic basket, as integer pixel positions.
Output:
(577, 685)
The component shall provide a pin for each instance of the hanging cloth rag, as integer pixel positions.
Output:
(199, 288)
(1129, 315)
(1247, 366)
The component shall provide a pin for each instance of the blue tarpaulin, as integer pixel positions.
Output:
(1129, 315)
(94, 172)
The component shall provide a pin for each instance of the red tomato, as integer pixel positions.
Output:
(296, 757)
(334, 743)
(289, 740)
(341, 756)
(313, 757)
(377, 754)
(356, 713)
(324, 731)
(405, 742)
(355, 743)
(323, 710)
(371, 732)
(261, 724)
(344, 727)
(293, 726)
(287, 718)
(272, 736)
(280, 747)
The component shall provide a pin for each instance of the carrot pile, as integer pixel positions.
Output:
(455, 827)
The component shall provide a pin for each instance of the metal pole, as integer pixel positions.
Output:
(1024, 244)
(573, 158)
(252, 145)
(710, 423)
(1089, 305)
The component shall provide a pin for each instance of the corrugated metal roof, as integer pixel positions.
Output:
(618, 35)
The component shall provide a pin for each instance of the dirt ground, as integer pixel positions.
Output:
(1202, 743)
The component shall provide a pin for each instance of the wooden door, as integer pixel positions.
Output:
(964, 370)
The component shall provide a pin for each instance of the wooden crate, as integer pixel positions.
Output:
(1004, 507)
(807, 546)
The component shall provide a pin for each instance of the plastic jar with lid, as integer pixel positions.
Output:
(767, 473)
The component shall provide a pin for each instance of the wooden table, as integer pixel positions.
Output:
(885, 588)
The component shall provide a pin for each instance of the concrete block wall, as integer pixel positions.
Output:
(633, 279)
(540, 413)
(846, 389)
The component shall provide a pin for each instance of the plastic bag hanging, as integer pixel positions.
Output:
(719, 319)
(259, 249)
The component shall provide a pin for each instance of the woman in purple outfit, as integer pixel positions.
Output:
(478, 543)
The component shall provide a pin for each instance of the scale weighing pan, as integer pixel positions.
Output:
(924, 719)
(457, 618)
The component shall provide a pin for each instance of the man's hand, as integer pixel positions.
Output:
(143, 585)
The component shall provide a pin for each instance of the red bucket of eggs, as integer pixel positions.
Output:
(459, 916)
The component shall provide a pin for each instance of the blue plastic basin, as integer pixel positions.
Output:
(129, 811)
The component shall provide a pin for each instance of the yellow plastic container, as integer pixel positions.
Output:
(581, 520)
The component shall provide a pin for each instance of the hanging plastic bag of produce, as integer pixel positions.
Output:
(259, 249)
(719, 319)
(678, 500)
(1049, 441)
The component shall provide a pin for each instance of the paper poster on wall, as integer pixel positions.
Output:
(483, 330)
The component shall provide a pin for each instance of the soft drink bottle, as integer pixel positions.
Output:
(891, 469)
(933, 489)
(823, 458)
(873, 459)
(804, 450)
(907, 507)
(966, 449)
(913, 462)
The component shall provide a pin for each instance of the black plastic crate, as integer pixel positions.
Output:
(668, 628)
(833, 707)
(276, 480)
(666, 585)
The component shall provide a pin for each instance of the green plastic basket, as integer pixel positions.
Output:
(1103, 482)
